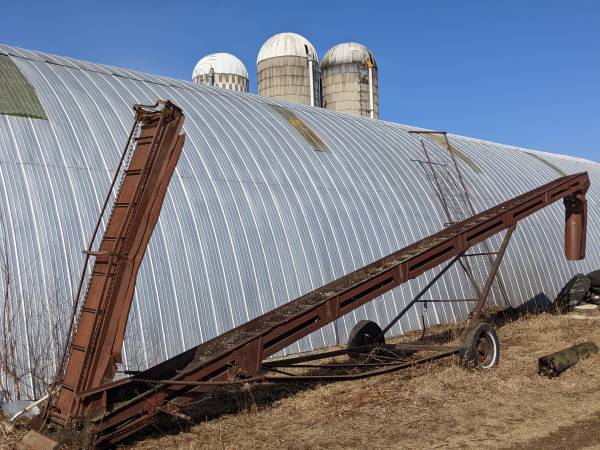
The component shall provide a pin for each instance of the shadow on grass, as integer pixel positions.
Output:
(227, 400)
(495, 316)
(253, 397)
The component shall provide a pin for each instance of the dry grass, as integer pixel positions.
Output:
(10, 433)
(439, 406)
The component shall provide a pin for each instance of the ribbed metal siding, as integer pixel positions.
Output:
(254, 216)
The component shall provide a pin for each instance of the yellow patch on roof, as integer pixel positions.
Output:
(305, 131)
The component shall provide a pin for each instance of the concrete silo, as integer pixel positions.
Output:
(222, 70)
(288, 69)
(349, 80)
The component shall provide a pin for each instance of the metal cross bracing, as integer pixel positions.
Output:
(117, 409)
(456, 202)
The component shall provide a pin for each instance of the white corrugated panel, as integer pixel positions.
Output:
(254, 216)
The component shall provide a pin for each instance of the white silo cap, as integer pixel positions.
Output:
(287, 44)
(220, 63)
(348, 52)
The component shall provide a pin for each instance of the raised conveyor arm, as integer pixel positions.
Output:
(151, 155)
(237, 354)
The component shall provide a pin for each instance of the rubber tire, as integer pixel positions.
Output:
(365, 332)
(468, 346)
(563, 299)
(580, 291)
(595, 279)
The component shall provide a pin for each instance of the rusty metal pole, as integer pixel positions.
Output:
(575, 226)
(472, 209)
(476, 315)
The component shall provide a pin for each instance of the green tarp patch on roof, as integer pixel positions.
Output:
(17, 95)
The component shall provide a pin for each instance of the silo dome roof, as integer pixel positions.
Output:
(286, 44)
(220, 63)
(348, 52)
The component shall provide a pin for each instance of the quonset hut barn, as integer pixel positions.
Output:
(269, 201)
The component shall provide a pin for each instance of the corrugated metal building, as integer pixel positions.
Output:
(269, 200)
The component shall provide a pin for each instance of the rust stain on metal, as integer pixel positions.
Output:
(305, 131)
(439, 137)
(554, 167)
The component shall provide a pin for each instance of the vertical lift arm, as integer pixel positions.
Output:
(154, 148)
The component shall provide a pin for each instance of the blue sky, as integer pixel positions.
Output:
(523, 72)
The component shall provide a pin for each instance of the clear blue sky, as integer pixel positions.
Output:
(519, 72)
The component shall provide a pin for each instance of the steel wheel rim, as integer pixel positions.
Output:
(486, 350)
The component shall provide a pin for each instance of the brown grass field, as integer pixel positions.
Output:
(438, 405)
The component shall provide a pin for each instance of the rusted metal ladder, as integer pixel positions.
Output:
(457, 204)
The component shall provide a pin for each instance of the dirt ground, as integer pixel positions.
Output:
(439, 405)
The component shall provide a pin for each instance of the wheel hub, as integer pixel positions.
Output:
(484, 350)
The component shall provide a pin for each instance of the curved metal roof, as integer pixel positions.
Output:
(259, 210)
(220, 63)
(348, 52)
(287, 44)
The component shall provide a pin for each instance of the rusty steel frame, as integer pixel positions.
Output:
(382, 369)
(150, 156)
(238, 355)
(438, 352)
(117, 409)
(299, 362)
(482, 294)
